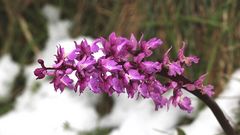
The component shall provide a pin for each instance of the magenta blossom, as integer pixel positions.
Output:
(124, 69)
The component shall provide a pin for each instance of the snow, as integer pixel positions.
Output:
(44, 112)
(8, 71)
(139, 117)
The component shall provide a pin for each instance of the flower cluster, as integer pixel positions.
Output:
(123, 68)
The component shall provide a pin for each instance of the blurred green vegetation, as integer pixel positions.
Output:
(96, 131)
(211, 28)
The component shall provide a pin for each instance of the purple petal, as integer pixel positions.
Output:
(158, 87)
(172, 85)
(181, 53)
(82, 84)
(69, 71)
(84, 48)
(159, 100)
(177, 93)
(58, 84)
(143, 89)
(150, 67)
(139, 57)
(187, 60)
(112, 37)
(72, 55)
(58, 64)
(151, 44)
(67, 81)
(128, 65)
(191, 59)
(117, 85)
(105, 85)
(94, 48)
(133, 43)
(190, 87)
(175, 68)
(154, 43)
(59, 57)
(121, 46)
(94, 85)
(134, 75)
(208, 90)
(61, 81)
(106, 46)
(131, 89)
(199, 82)
(185, 104)
(110, 65)
(86, 62)
(166, 59)
(39, 72)
(60, 52)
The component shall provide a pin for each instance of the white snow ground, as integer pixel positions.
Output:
(8, 71)
(45, 111)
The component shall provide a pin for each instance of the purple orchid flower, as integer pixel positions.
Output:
(198, 84)
(123, 69)
(186, 60)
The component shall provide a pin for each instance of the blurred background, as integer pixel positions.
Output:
(211, 29)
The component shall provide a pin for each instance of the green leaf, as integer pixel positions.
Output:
(180, 131)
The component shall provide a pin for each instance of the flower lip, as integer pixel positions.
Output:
(185, 104)
(110, 65)
(134, 75)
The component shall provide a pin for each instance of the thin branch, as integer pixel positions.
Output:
(28, 34)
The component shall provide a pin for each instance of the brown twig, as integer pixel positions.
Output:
(10, 28)
(27, 34)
